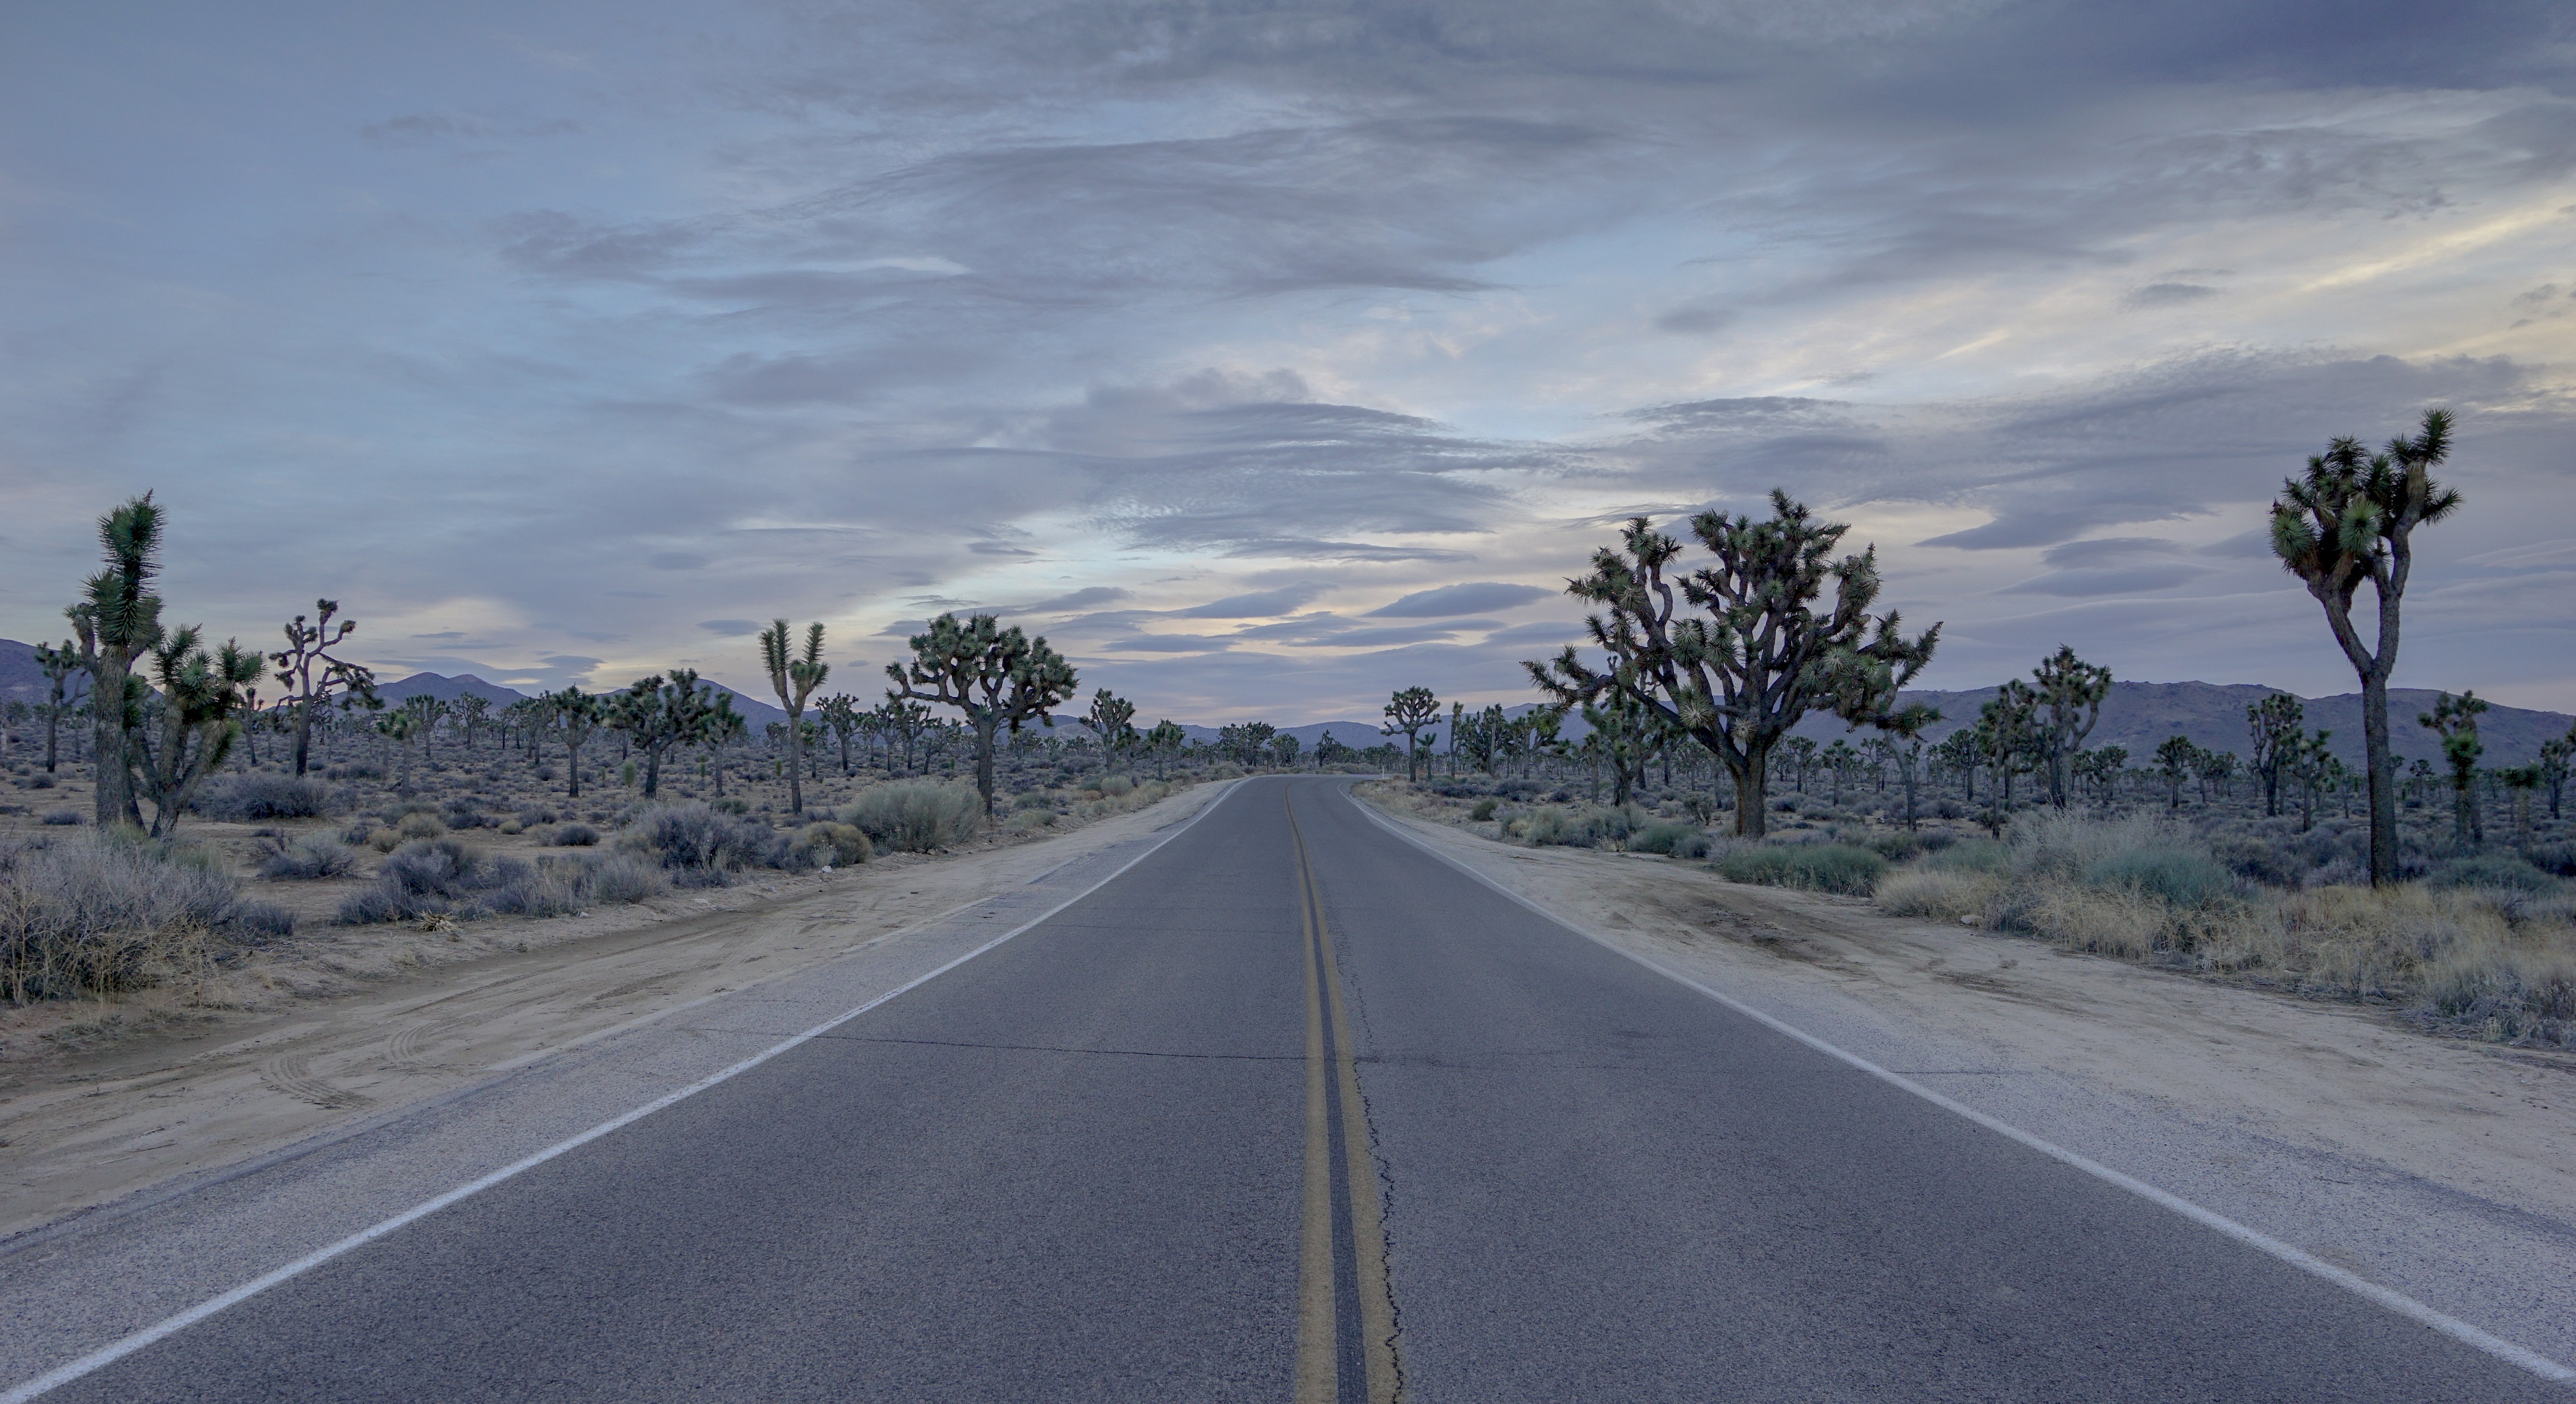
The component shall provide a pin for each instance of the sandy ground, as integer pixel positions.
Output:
(2353, 1083)
(98, 1102)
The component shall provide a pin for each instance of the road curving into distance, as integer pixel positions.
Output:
(1290, 1110)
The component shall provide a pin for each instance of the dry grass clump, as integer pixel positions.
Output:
(916, 816)
(95, 913)
(2496, 961)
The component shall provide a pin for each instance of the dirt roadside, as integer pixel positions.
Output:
(350, 1028)
(2496, 1123)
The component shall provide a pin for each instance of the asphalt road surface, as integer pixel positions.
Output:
(1293, 1111)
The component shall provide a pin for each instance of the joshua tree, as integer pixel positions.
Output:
(118, 621)
(1408, 713)
(2552, 765)
(470, 710)
(1247, 742)
(2070, 698)
(2351, 519)
(1737, 680)
(995, 677)
(2101, 768)
(2176, 759)
(1284, 748)
(2008, 729)
(659, 715)
(1163, 743)
(426, 713)
(902, 720)
(2522, 780)
(59, 664)
(201, 695)
(1963, 751)
(399, 726)
(2214, 770)
(2455, 720)
(313, 677)
(576, 715)
(1618, 736)
(841, 716)
(1907, 751)
(2276, 724)
(1112, 722)
(1840, 761)
(718, 728)
(2313, 766)
(794, 676)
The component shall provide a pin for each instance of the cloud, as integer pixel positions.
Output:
(2170, 294)
(1482, 597)
(1261, 604)
(730, 627)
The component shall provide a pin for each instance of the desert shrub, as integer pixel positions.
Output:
(419, 826)
(243, 799)
(1895, 847)
(2496, 870)
(1812, 867)
(40, 781)
(1972, 855)
(623, 877)
(2178, 876)
(93, 914)
(1552, 825)
(1669, 837)
(65, 817)
(731, 804)
(828, 845)
(1116, 786)
(312, 856)
(1944, 894)
(1484, 809)
(533, 815)
(698, 845)
(915, 816)
(573, 836)
(461, 813)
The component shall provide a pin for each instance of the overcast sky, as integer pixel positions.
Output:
(1268, 358)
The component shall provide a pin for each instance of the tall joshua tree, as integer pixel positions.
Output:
(2070, 697)
(313, 677)
(795, 675)
(998, 678)
(118, 621)
(1762, 658)
(2351, 519)
(1408, 713)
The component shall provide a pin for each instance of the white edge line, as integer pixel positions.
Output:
(2256, 1239)
(111, 1353)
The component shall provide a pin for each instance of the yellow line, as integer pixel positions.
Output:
(1317, 1380)
(1368, 1232)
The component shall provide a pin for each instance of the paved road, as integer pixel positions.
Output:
(1293, 1111)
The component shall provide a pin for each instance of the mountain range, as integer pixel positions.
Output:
(2137, 715)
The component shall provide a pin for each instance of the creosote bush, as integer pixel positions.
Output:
(916, 816)
(91, 914)
(244, 799)
(1842, 868)
(310, 857)
(698, 845)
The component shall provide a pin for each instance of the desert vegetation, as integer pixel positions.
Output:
(2443, 892)
(197, 824)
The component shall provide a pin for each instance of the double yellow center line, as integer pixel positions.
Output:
(1345, 1310)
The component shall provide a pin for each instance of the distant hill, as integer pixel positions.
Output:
(2140, 715)
(22, 681)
